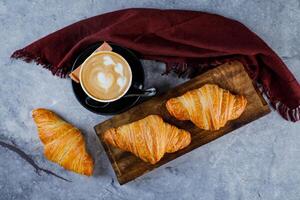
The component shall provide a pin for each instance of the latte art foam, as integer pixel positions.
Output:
(105, 76)
(105, 80)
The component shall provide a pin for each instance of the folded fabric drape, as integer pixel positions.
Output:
(189, 42)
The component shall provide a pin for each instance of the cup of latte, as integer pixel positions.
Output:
(106, 76)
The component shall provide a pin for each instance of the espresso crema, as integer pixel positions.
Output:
(106, 76)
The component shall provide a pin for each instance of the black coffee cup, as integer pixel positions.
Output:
(131, 89)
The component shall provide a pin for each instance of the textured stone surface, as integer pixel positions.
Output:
(259, 161)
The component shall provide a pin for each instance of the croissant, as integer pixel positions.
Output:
(64, 143)
(149, 138)
(208, 107)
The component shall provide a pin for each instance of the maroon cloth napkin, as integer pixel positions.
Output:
(189, 42)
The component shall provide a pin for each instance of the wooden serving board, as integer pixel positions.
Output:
(231, 76)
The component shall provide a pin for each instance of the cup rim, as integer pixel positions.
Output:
(104, 100)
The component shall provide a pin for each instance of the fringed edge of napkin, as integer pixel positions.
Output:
(27, 57)
(290, 114)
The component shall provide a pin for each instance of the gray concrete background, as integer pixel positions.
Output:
(259, 161)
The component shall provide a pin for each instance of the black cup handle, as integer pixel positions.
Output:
(89, 101)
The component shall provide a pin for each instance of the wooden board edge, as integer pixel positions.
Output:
(124, 179)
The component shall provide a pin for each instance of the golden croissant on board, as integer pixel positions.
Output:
(64, 143)
(149, 138)
(208, 107)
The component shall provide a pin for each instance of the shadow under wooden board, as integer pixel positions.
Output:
(231, 76)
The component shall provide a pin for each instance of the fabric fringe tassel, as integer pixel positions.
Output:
(191, 69)
(288, 113)
(28, 57)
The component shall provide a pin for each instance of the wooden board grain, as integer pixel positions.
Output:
(231, 76)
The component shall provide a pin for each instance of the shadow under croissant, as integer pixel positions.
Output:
(95, 149)
(29, 160)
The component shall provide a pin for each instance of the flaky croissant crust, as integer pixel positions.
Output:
(149, 138)
(208, 107)
(63, 143)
